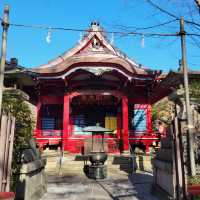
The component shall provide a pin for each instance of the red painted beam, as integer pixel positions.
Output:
(94, 92)
(50, 99)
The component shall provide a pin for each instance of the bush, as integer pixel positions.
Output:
(194, 90)
(162, 110)
(16, 106)
(194, 180)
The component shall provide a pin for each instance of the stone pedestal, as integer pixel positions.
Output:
(97, 171)
(31, 184)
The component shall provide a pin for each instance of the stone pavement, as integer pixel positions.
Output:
(70, 183)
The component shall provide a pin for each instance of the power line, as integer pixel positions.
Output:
(145, 28)
(101, 31)
(158, 25)
(81, 30)
(192, 22)
(196, 42)
(170, 14)
(89, 30)
(192, 34)
(123, 33)
(195, 26)
(162, 10)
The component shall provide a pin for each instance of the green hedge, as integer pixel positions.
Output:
(15, 104)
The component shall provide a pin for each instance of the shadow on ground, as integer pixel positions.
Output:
(72, 184)
(137, 187)
(125, 163)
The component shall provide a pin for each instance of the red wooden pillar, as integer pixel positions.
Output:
(118, 125)
(125, 138)
(66, 121)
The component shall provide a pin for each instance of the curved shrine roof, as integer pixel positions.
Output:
(94, 48)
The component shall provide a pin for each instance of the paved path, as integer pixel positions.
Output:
(71, 184)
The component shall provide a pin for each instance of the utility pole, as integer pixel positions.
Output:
(192, 168)
(5, 25)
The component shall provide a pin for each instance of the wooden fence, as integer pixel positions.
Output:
(7, 128)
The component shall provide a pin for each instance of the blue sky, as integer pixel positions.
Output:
(31, 48)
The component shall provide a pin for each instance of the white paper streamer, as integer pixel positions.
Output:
(142, 42)
(48, 37)
(80, 38)
(112, 38)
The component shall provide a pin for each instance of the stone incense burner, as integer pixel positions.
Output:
(97, 158)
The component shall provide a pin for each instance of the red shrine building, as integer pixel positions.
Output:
(92, 83)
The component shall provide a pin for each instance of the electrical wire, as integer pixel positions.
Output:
(196, 42)
(123, 33)
(161, 9)
(90, 30)
(192, 34)
(101, 31)
(170, 14)
(158, 25)
(192, 22)
(144, 28)
(120, 32)
(194, 26)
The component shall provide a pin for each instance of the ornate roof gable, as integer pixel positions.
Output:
(93, 41)
(93, 47)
